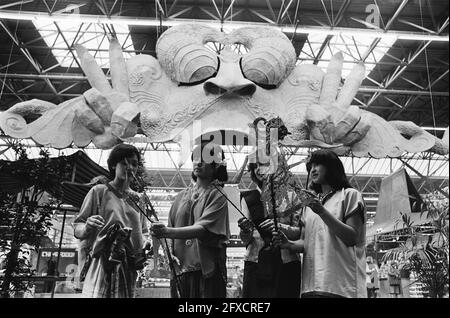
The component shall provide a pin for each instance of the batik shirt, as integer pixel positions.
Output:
(210, 210)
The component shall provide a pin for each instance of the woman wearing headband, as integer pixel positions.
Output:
(112, 230)
(199, 227)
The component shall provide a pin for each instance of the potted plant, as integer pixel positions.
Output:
(426, 259)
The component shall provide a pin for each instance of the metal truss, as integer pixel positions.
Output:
(285, 17)
(79, 77)
(218, 20)
(37, 67)
(406, 61)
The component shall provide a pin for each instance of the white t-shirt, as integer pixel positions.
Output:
(330, 266)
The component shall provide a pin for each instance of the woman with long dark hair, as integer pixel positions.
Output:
(199, 227)
(112, 229)
(333, 239)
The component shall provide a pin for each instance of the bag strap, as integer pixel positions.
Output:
(99, 204)
(127, 198)
(96, 212)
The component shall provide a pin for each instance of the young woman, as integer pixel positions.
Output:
(199, 227)
(268, 271)
(333, 240)
(113, 229)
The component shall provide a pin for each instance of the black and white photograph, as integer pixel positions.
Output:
(224, 154)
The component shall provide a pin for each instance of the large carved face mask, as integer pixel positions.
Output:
(189, 90)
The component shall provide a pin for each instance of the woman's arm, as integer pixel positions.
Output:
(348, 232)
(82, 230)
(292, 232)
(186, 232)
(295, 246)
(281, 240)
(88, 218)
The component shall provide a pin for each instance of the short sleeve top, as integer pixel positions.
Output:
(100, 200)
(329, 265)
(209, 210)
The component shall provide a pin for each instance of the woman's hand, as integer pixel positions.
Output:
(315, 205)
(148, 245)
(267, 225)
(246, 237)
(280, 239)
(95, 222)
(246, 232)
(159, 230)
(246, 225)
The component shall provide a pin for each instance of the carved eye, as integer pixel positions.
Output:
(265, 67)
(183, 56)
(194, 64)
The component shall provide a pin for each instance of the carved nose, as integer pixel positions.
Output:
(217, 88)
(229, 80)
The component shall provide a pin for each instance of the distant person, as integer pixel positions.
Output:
(394, 280)
(50, 271)
(383, 292)
(372, 283)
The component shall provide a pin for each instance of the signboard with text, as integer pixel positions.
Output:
(68, 260)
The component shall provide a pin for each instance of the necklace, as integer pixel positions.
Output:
(121, 193)
(322, 197)
(197, 192)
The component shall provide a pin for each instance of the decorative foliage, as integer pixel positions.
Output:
(24, 219)
(429, 260)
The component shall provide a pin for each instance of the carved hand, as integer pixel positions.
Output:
(108, 111)
(334, 120)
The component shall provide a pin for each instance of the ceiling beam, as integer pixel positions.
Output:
(79, 77)
(375, 42)
(424, 178)
(289, 28)
(10, 88)
(412, 99)
(37, 67)
(327, 40)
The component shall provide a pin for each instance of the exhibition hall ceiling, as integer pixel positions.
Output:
(404, 44)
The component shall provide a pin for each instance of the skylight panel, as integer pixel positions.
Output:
(92, 36)
(352, 48)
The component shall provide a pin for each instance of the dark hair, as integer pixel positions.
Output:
(217, 154)
(335, 173)
(118, 153)
(252, 166)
